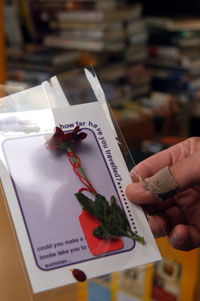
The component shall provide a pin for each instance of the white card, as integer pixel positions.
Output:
(40, 189)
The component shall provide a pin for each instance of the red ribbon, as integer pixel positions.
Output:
(76, 163)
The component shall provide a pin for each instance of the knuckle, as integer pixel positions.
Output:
(193, 144)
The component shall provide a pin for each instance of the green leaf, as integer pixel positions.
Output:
(86, 203)
(101, 232)
(101, 207)
(114, 222)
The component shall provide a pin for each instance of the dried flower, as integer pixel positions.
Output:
(114, 222)
(61, 140)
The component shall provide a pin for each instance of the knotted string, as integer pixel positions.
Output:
(76, 163)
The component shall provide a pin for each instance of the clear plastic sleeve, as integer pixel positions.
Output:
(42, 187)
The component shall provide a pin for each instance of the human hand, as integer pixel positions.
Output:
(178, 216)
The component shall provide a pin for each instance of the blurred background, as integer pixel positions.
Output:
(146, 55)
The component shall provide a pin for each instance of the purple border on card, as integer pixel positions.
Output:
(26, 226)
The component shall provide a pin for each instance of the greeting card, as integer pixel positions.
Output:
(65, 189)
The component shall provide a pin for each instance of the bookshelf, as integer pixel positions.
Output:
(124, 73)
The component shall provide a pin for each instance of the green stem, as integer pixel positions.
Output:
(135, 236)
(132, 234)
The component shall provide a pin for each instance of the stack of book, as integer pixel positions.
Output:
(174, 56)
(34, 65)
(94, 25)
(127, 69)
(29, 62)
(136, 53)
(110, 35)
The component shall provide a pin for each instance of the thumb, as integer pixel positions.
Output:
(186, 174)
(136, 193)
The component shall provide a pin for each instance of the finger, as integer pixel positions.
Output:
(184, 238)
(174, 216)
(187, 172)
(153, 164)
(136, 193)
(168, 157)
(159, 225)
(162, 222)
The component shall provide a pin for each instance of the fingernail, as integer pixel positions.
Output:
(138, 188)
(136, 193)
(148, 216)
(135, 175)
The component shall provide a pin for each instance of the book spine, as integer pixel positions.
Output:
(77, 5)
(52, 41)
(168, 52)
(81, 16)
